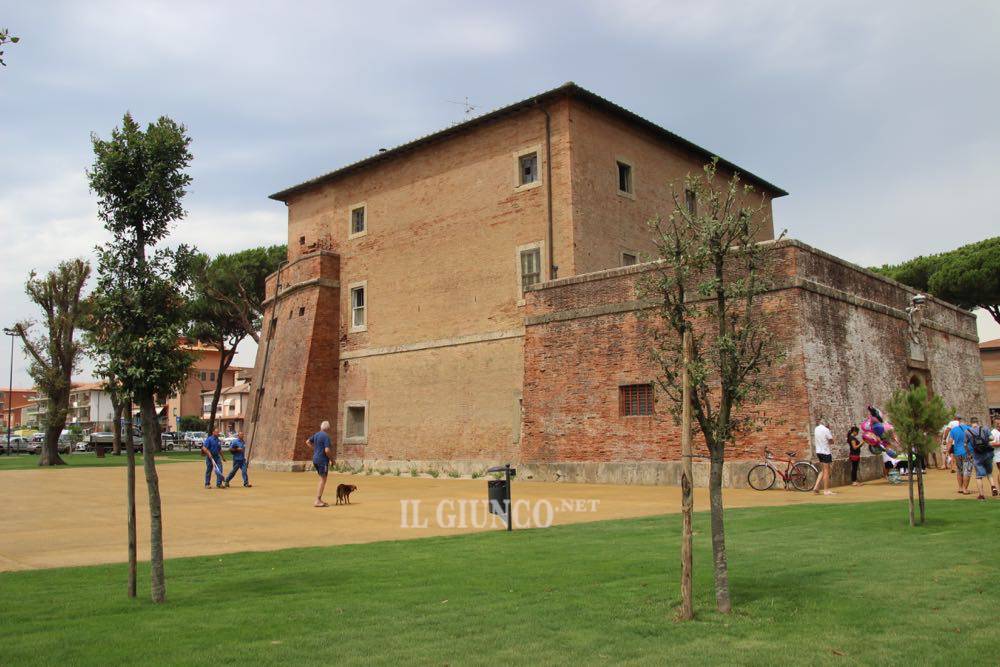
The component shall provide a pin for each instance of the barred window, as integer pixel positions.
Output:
(635, 400)
(528, 168)
(531, 267)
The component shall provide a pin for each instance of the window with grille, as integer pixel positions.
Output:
(531, 267)
(358, 220)
(635, 400)
(629, 258)
(528, 168)
(691, 199)
(357, 307)
(625, 178)
(202, 376)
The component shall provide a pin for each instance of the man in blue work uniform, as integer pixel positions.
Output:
(238, 450)
(211, 449)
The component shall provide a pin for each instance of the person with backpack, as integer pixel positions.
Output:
(977, 438)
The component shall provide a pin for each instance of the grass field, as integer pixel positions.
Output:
(89, 459)
(811, 584)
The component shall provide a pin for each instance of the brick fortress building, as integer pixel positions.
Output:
(470, 298)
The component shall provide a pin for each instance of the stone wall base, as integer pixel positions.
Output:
(646, 473)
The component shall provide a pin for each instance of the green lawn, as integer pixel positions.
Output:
(89, 459)
(811, 584)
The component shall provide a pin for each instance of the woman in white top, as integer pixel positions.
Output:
(822, 440)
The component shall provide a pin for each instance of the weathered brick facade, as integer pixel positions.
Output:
(444, 368)
(843, 329)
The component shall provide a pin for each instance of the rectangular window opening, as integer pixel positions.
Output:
(358, 307)
(629, 258)
(302, 311)
(635, 400)
(355, 427)
(624, 178)
(527, 168)
(531, 267)
(358, 220)
(691, 201)
(302, 240)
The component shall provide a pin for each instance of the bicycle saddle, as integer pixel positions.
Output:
(790, 454)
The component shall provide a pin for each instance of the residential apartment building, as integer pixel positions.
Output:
(13, 404)
(201, 378)
(90, 407)
(233, 403)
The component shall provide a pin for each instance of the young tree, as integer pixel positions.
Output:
(709, 279)
(139, 178)
(968, 276)
(917, 418)
(54, 353)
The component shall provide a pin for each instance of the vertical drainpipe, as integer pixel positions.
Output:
(553, 269)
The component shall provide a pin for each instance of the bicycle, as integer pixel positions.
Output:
(800, 474)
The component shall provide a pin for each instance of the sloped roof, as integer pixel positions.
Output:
(990, 344)
(567, 89)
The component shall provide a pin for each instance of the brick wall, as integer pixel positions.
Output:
(842, 328)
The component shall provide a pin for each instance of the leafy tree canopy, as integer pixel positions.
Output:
(968, 277)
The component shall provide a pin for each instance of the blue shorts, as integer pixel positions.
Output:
(984, 464)
(321, 467)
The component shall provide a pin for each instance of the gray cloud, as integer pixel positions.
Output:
(878, 118)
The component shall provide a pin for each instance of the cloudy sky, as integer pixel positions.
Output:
(879, 118)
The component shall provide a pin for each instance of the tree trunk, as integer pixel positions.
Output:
(225, 359)
(116, 430)
(909, 469)
(50, 448)
(150, 435)
(130, 494)
(722, 600)
(687, 492)
(920, 493)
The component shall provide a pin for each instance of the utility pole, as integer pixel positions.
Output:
(10, 386)
(687, 490)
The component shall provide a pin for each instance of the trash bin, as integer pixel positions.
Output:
(99, 448)
(498, 493)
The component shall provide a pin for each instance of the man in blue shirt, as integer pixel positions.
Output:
(211, 449)
(322, 455)
(963, 457)
(238, 450)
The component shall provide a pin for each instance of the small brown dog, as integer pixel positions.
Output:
(344, 492)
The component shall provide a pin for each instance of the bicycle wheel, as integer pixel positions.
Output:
(803, 476)
(761, 477)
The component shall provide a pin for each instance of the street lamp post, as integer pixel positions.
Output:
(10, 386)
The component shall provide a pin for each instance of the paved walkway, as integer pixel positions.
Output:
(54, 518)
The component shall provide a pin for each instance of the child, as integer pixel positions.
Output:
(854, 453)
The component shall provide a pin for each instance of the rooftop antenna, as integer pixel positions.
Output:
(469, 107)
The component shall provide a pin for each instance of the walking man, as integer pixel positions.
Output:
(977, 440)
(238, 450)
(822, 440)
(211, 449)
(322, 455)
(961, 455)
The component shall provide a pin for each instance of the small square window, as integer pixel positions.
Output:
(635, 400)
(527, 168)
(202, 376)
(358, 307)
(302, 240)
(629, 258)
(359, 221)
(355, 426)
(211, 376)
(531, 267)
(302, 311)
(691, 200)
(625, 178)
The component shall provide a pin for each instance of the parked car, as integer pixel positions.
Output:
(18, 444)
(194, 439)
(36, 447)
(107, 438)
(169, 440)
